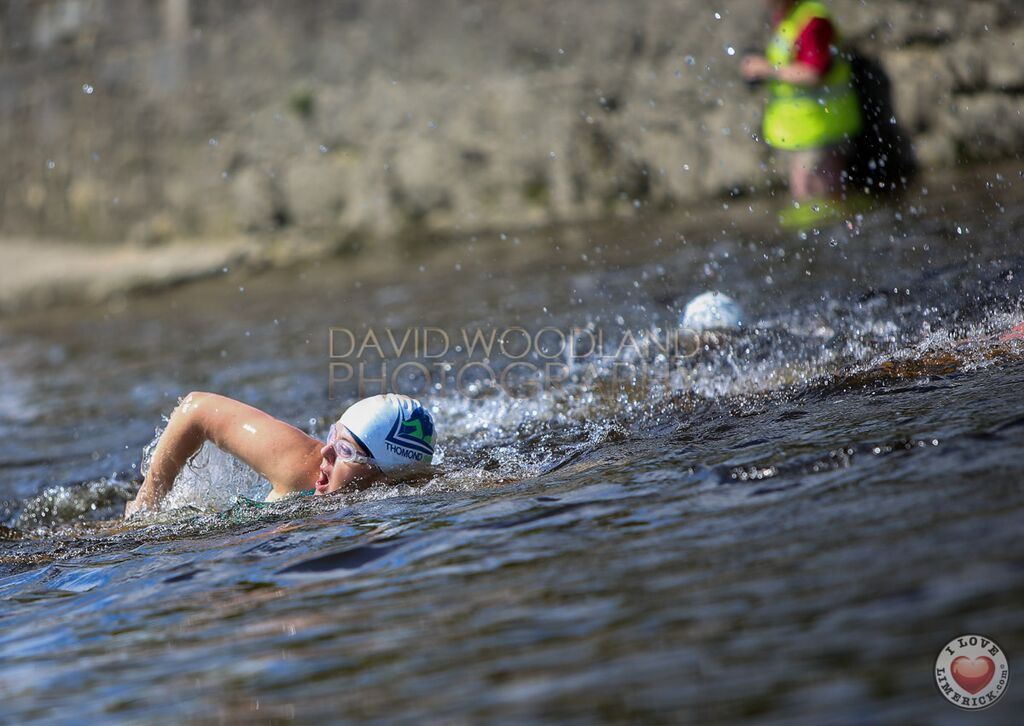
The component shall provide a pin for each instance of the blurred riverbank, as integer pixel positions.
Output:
(363, 125)
(38, 275)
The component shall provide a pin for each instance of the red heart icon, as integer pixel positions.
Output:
(972, 674)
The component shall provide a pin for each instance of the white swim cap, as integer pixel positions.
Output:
(712, 311)
(396, 431)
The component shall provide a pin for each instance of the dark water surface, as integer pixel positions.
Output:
(787, 527)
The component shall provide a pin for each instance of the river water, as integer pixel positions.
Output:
(786, 525)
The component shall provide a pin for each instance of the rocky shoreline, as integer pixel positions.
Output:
(44, 274)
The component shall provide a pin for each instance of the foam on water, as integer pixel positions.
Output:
(212, 479)
(497, 438)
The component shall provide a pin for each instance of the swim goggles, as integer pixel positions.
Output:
(345, 451)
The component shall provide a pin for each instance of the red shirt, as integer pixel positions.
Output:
(814, 44)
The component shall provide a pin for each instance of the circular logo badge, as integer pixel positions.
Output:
(972, 672)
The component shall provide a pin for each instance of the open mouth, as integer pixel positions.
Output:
(323, 480)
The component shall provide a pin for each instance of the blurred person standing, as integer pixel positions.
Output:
(812, 108)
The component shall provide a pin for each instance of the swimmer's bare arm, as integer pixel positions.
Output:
(284, 455)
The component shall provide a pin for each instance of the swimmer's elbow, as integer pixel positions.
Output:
(191, 400)
(193, 410)
(210, 416)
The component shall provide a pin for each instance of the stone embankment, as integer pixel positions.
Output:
(346, 124)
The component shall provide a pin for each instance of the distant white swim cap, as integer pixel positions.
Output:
(396, 431)
(712, 311)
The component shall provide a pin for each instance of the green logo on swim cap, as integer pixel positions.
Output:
(417, 430)
(415, 433)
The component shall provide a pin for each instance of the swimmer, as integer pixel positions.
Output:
(380, 438)
(712, 311)
(707, 322)
(1015, 333)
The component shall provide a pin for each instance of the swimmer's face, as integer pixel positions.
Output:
(335, 472)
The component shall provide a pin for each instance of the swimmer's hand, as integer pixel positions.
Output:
(131, 507)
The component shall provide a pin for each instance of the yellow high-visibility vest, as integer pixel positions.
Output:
(809, 117)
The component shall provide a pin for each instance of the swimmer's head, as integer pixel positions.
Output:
(396, 432)
(712, 311)
(389, 436)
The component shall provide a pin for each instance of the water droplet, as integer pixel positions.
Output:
(87, 89)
